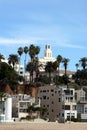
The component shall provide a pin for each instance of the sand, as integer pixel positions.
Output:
(43, 126)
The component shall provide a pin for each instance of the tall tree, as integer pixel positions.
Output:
(37, 50)
(32, 52)
(25, 51)
(77, 65)
(20, 52)
(49, 69)
(59, 60)
(30, 69)
(65, 64)
(83, 62)
(13, 59)
(55, 65)
(1, 57)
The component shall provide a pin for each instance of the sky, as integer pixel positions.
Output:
(60, 23)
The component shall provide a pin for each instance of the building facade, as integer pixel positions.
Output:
(47, 57)
(59, 101)
(68, 105)
(81, 104)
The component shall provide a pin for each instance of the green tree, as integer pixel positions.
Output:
(32, 52)
(34, 63)
(30, 68)
(37, 50)
(1, 57)
(59, 60)
(20, 52)
(83, 62)
(77, 65)
(49, 69)
(65, 64)
(8, 75)
(13, 59)
(25, 51)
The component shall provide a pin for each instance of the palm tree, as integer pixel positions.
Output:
(83, 62)
(30, 69)
(1, 57)
(13, 59)
(36, 67)
(20, 52)
(32, 52)
(77, 65)
(49, 69)
(55, 65)
(25, 51)
(37, 50)
(65, 63)
(59, 60)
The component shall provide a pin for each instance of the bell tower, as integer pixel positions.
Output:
(48, 51)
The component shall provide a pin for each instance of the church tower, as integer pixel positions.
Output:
(48, 51)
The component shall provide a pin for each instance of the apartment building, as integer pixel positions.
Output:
(20, 105)
(59, 101)
(81, 104)
(67, 103)
(48, 96)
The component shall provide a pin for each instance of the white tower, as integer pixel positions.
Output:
(48, 51)
(8, 109)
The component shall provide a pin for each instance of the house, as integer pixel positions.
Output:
(81, 104)
(6, 109)
(67, 103)
(20, 105)
(59, 101)
(48, 96)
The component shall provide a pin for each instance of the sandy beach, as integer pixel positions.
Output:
(43, 126)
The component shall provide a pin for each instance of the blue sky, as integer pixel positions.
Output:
(60, 23)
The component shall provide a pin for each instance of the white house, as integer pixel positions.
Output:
(67, 103)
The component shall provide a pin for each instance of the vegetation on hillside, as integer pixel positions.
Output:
(52, 69)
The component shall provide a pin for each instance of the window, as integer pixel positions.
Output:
(52, 102)
(44, 90)
(44, 97)
(47, 97)
(43, 105)
(71, 92)
(67, 107)
(62, 114)
(22, 104)
(52, 94)
(52, 90)
(52, 110)
(59, 99)
(74, 107)
(85, 109)
(21, 72)
(47, 113)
